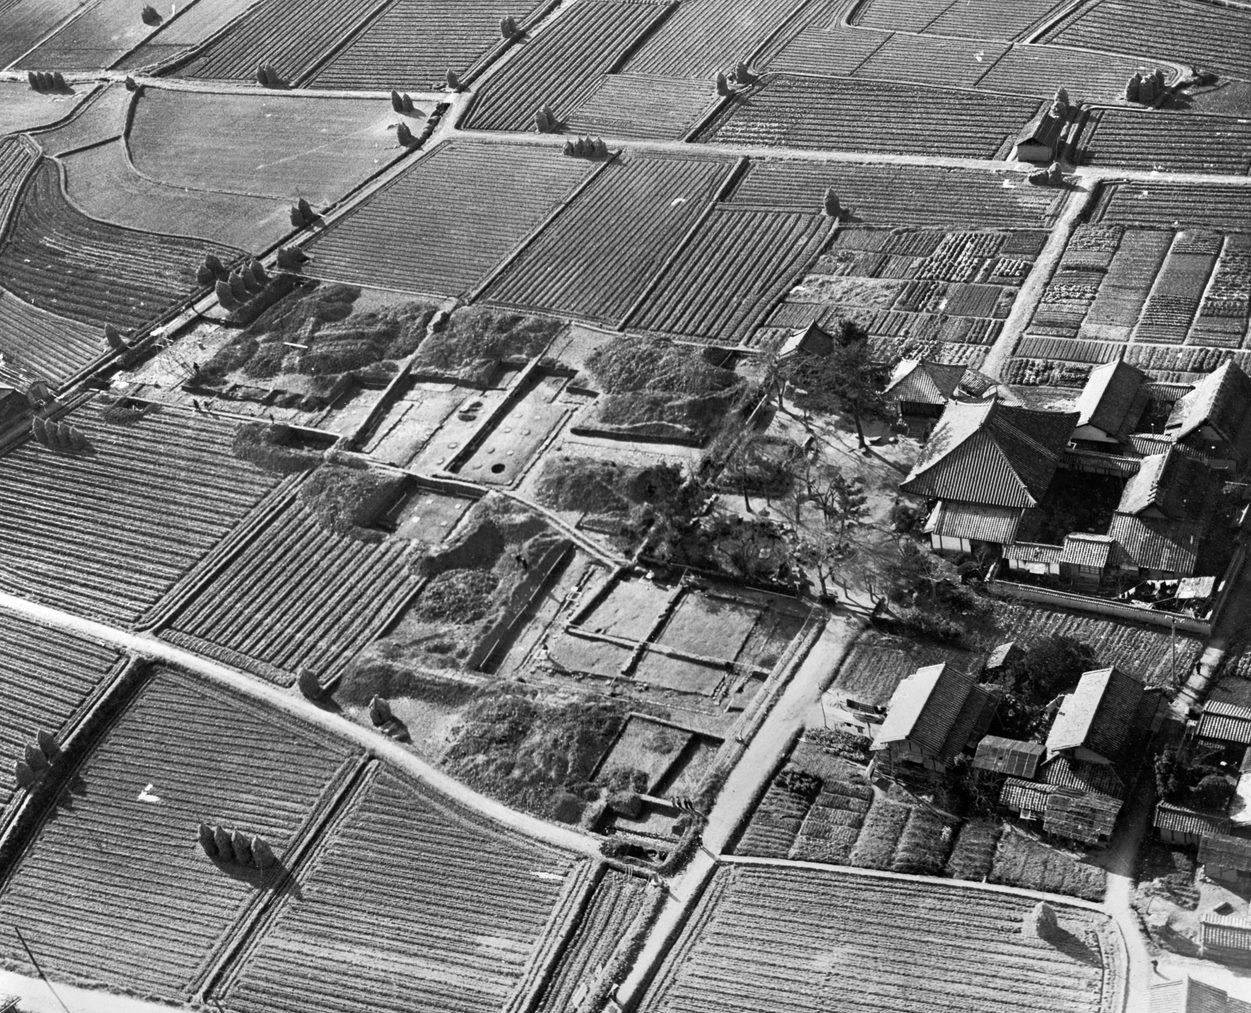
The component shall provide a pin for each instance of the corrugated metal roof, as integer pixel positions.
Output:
(975, 521)
(1080, 815)
(1231, 932)
(1028, 798)
(1189, 996)
(1032, 552)
(1225, 722)
(990, 453)
(1015, 757)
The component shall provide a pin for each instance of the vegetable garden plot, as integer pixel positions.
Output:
(827, 51)
(763, 938)
(596, 257)
(114, 889)
(106, 532)
(563, 64)
(58, 259)
(1180, 205)
(96, 39)
(1169, 142)
(269, 144)
(1200, 34)
(45, 345)
(618, 900)
(974, 19)
(1087, 76)
(953, 63)
(47, 678)
(736, 268)
(447, 907)
(101, 183)
(634, 106)
(444, 224)
(1175, 296)
(298, 596)
(290, 35)
(100, 118)
(857, 115)
(704, 37)
(879, 195)
(413, 43)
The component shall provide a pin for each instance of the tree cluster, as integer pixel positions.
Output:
(36, 760)
(234, 847)
(58, 436)
(1180, 779)
(47, 81)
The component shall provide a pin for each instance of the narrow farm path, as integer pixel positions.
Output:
(1117, 900)
(148, 646)
(745, 784)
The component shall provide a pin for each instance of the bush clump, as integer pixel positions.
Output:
(347, 497)
(475, 341)
(273, 447)
(462, 596)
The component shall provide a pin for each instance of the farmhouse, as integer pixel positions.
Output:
(1224, 724)
(1095, 721)
(1226, 937)
(1215, 415)
(1175, 824)
(812, 340)
(1039, 140)
(1226, 858)
(1190, 996)
(1110, 404)
(932, 717)
(919, 390)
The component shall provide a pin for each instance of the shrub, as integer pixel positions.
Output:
(346, 498)
(270, 446)
(474, 342)
(461, 596)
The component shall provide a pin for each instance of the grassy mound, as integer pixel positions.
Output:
(474, 342)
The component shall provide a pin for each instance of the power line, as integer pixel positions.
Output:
(42, 977)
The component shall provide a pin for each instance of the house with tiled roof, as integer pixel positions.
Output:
(1224, 724)
(1190, 996)
(985, 464)
(1040, 139)
(811, 340)
(1226, 937)
(1215, 416)
(933, 716)
(1095, 721)
(1111, 403)
(1176, 824)
(919, 390)
(1226, 859)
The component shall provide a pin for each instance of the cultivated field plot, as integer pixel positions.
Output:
(58, 259)
(298, 596)
(48, 678)
(17, 157)
(1201, 34)
(703, 37)
(26, 22)
(824, 47)
(101, 182)
(737, 266)
(952, 63)
(97, 38)
(440, 228)
(595, 259)
(100, 118)
(283, 144)
(617, 901)
(764, 938)
(880, 195)
(42, 344)
(637, 106)
(858, 115)
(1156, 276)
(291, 35)
(104, 533)
(1166, 141)
(1087, 76)
(192, 25)
(977, 19)
(114, 889)
(445, 908)
(413, 43)
(23, 108)
(563, 64)
(918, 292)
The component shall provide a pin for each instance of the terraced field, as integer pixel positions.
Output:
(1168, 142)
(413, 43)
(47, 679)
(106, 532)
(951, 63)
(859, 115)
(17, 157)
(58, 259)
(563, 64)
(22, 108)
(762, 938)
(706, 36)
(26, 23)
(825, 50)
(450, 908)
(737, 266)
(441, 227)
(43, 344)
(297, 597)
(100, 118)
(193, 24)
(973, 19)
(879, 195)
(1213, 36)
(596, 258)
(98, 37)
(101, 182)
(114, 889)
(291, 35)
(280, 144)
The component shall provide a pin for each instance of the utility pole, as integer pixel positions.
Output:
(39, 970)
